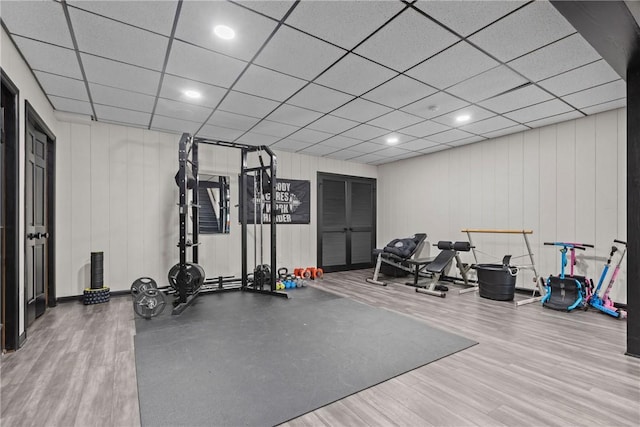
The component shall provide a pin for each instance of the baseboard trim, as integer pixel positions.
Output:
(22, 338)
(76, 298)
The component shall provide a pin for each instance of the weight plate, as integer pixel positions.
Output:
(149, 303)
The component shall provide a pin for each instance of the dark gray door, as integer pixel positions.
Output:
(346, 222)
(36, 224)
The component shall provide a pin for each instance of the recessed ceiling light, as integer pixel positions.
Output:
(224, 32)
(463, 118)
(192, 94)
(392, 140)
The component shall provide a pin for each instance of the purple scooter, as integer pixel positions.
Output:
(604, 303)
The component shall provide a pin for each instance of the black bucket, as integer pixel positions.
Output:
(496, 281)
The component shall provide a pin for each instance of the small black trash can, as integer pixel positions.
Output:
(496, 281)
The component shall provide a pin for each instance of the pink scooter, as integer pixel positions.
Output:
(604, 303)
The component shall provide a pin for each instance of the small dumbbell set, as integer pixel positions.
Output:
(299, 277)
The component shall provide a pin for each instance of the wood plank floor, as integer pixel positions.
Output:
(532, 366)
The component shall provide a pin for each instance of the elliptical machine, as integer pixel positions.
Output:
(566, 293)
(604, 303)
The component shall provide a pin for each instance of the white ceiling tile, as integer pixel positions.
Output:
(310, 136)
(181, 110)
(198, 18)
(292, 115)
(449, 136)
(506, 131)
(365, 132)
(269, 84)
(539, 111)
(367, 147)
(332, 124)
(619, 103)
(62, 86)
(424, 129)
(38, 20)
(200, 64)
(399, 92)
(113, 97)
(172, 124)
(435, 105)
(489, 125)
(402, 138)
(367, 158)
(344, 155)
(555, 119)
(253, 138)
(49, 58)
(174, 87)
(435, 149)
(155, 16)
(395, 120)
(319, 98)
(123, 76)
(71, 105)
(267, 127)
(446, 69)
(344, 23)
(418, 144)
(598, 95)
(476, 114)
(518, 98)
(488, 84)
(123, 43)
(466, 141)
(318, 150)
(466, 17)
(231, 120)
(355, 75)
(581, 78)
(529, 28)
(120, 115)
(389, 45)
(561, 56)
(289, 144)
(392, 152)
(273, 8)
(295, 53)
(219, 133)
(407, 155)
(248, 105)
(341, 142)
(361, 110)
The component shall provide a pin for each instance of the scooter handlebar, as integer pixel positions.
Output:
(581, 246)
(621, 242)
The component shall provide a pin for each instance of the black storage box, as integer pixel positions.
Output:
(496, 281)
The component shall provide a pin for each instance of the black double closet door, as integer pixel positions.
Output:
(346, 222)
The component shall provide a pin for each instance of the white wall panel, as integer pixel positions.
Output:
(64, 207)
(81, 212)
(99, 194)
(531, 170)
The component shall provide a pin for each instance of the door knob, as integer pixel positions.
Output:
(45, 235)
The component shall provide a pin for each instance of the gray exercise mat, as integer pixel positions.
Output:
(241, 359)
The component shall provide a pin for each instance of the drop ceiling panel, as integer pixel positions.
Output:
(37, 20)
(248, 105)
(368, 158)
(289, 144)
(295, 53)
(366, 147)
(231, 120)
(319, 98)
(402, 138)
(619, 103)
(476, 114)
(181, 110)
(407, 40)
(174, 87)
(425, 128)
(151, 15)
(174, 125)
(561, 56)
(253, 138)
(62, 86)
(344, 155)
(344, 23)
(465, 141)
(220, 133)
(341, 142)
(449, 136)
(395, 120)
(435, 149)
(275, 8)
(539, 111)
(123, 76)
(318, 150)
(292, 115)
(489, 125)
(355, 75)
(418, 144)
(506, 131)
(269, 84)
(598, 95)
(365, 132)
(200, 64)
(467, 17)
(529, 28)
(399, 92)
(119, 115)
(488, 84)
(361, 110)
(390, 152)
(581, 78)
(71, 105)
(310, 136)
(518, 98)
(198, 18)
(124, 43)
(555, 119)
(446, 69)
(49, 58)
(332, 124)
(267, 127)
(121, 98)
(435, 105)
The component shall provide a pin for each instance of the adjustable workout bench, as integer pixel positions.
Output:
(393, 259)
(438, 267)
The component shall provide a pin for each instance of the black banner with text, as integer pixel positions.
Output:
(292, 202)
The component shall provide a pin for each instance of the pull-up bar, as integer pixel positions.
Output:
(496, 231)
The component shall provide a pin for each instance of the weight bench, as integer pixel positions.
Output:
(438, 266)
(393, 259)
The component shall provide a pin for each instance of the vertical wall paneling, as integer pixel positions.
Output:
(531, 170)
(167, 205)
(118, 207)
(514, 189)
(64, 208)
(618, 290)
(135, 202)
(151, 255)
(100, 181)
(548, 197)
